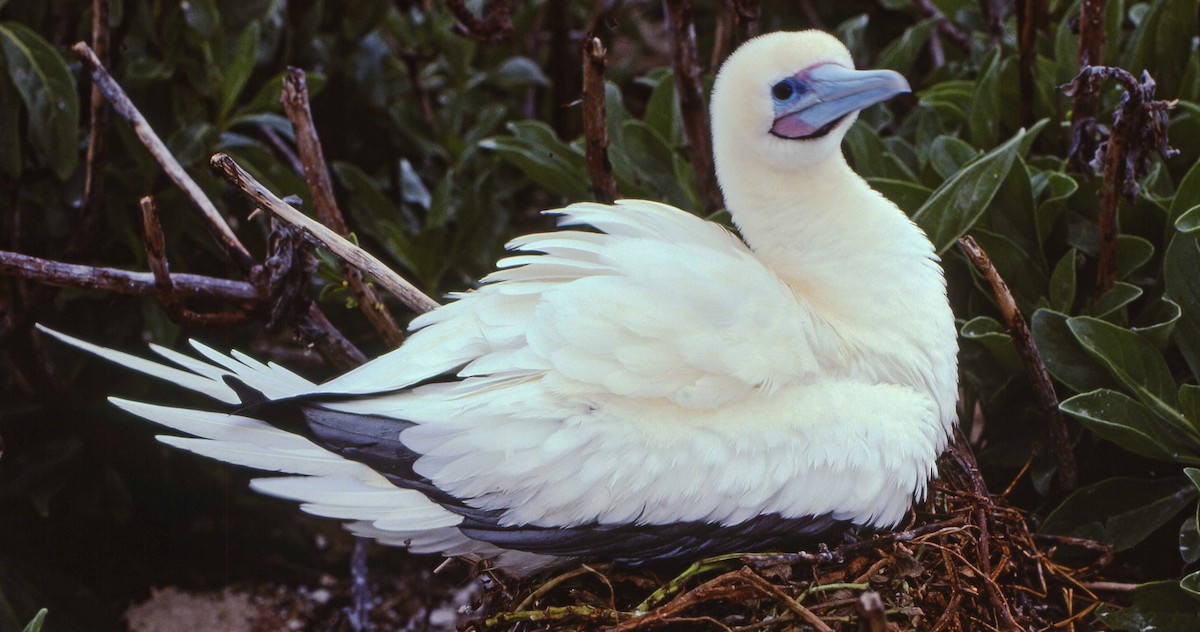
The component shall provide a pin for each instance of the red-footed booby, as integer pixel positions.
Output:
(653, 388)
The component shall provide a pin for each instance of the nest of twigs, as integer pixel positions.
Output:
(966, 561)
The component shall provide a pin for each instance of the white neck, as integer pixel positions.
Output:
(857, 260)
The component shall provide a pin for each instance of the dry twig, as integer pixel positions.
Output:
(1066, 475)
(295, 103)
(125, 108)
(123, 281)
(316, 231)
(595, 123)
(686, 66)
(495, 27)
(1085, 102)
(156, 257)
(946, 28)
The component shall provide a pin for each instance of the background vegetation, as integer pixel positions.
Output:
(444, 141)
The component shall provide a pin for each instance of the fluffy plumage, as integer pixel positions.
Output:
(651, 388)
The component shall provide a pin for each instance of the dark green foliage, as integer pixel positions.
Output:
(441, 148)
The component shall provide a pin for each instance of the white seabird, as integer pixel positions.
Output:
(657, 389)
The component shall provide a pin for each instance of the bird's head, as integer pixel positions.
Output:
(784, 101)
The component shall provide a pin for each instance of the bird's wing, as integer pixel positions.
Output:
(659, 304)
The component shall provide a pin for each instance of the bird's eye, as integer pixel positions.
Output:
(783, 90)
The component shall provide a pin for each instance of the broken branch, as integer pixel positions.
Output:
(948, 29)
(125, 108)
(295, 103)
(122, 281)
(1085, 104)
(339, 246)
(595, 123)
(686, 66)
(1066, 475)
(156, 256)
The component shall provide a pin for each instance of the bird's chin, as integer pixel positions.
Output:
(794, 128)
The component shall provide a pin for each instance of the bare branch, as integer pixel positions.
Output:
(1066, 475)
(495, 27)
(93, 183)
(125, 108)
(1030, 14)
(156, 256)
(686, 64)
(122, 281)
(1085, 104)
(948, 29)
(295, 102)
(595, 123)
(336, 244)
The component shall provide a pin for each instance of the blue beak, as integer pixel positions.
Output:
(809, 103)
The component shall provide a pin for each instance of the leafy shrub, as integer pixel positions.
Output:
(441, 149)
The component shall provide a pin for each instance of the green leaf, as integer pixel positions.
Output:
(1120, 295)
(10, 129)
(1189, 540)
(1191, 583)
(412, 189)
(962, 199)
(1180, 264)
(1160, 318)
(1120, 511)
(1132, 253)
(517, 72)
(240, 67)
(986, 104)
(871, 156)
(1062, 282)
(1189, 221)
(1129, 358)
(902, 53)
(1064, 357)
(202, 17)
(1060, 188)
(1189, 403)
(662, 109)
(909, 196)
(655, 163)
(38, 621)
(536, 150)
(948, 154)
(991, 334)
(1187, 195)
(1159, 606)
(1115, 417)
(48, 91)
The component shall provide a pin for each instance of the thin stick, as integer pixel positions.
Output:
(93, 182)
(791, 604)
(686, 64)
(316, 231)
(122, 281)
(156, 256)
(948, 29)
(1027, 26)
(1085, 103)
(125, 108)
(960, 449)
(295, 103)
(1067, 474)
(870, 605)
(595, 123)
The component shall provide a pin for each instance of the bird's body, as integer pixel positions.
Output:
(654, 389)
